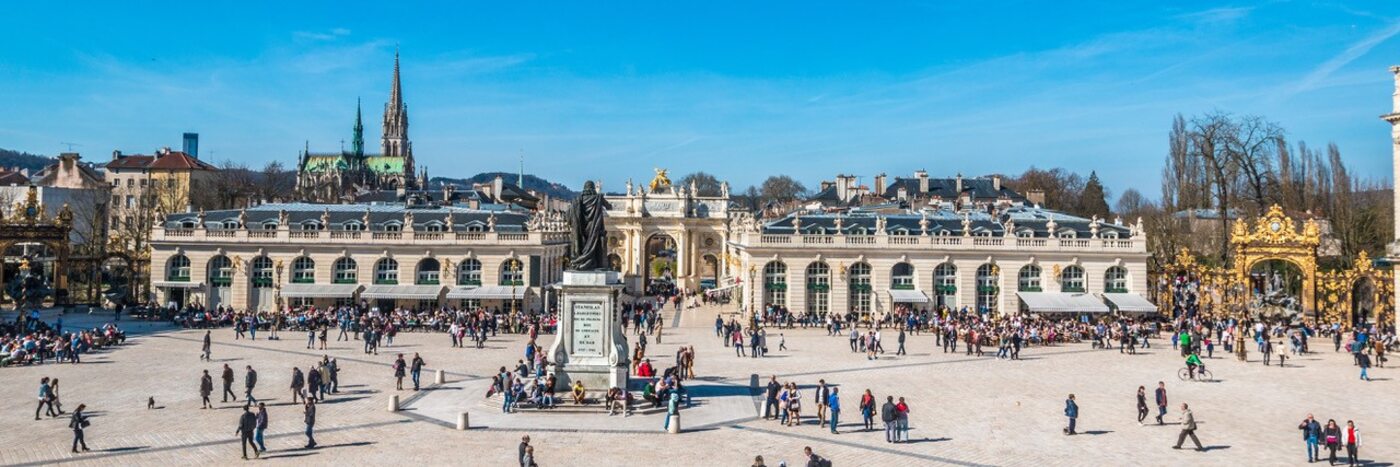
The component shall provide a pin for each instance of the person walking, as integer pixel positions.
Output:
(823, 396)
(867, 410)
(247, 426)
(770, 404)
(1188, 428)
(524, 446)
(206, 387)
(207, 346)
(1352, 439)
(416, 369)
(1312, 432)
(901, 342)
(310, 412)
(901, 421)
(1142, 404)
(834, 403)
(889, 414)
(53, 396)
(1071, 412)
(228, 384)
(261, 426)
(45, 399)
(298, 381)
(314, 385)
(77, 423)
(399, 367)
(1364, 361)
(250, 380)
(1161, 395)
(1332, 437)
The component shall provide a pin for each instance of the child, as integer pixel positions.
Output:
(782, 343)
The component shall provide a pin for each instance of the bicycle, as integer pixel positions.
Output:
(1202, 374)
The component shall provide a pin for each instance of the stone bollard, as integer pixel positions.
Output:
(393, 402)
(674, 425)
(462, 421)
(441, 377)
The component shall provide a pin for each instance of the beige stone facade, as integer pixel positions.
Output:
(668, 231)
(307, 254)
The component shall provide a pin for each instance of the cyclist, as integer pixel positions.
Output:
(1192, 362)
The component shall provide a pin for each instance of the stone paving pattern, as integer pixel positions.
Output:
(965, 410)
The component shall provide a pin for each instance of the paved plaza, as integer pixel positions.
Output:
(964, 410)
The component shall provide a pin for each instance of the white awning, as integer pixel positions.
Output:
(408, 292)
(490, 292)
(1130, 303)
(908, 296)
(1057, 302)
(177, 285)
(320, 290)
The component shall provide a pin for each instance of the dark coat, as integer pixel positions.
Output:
(247, 423)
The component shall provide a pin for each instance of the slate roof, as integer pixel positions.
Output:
(340, 215)
(948, 222)
(9, 177)
(947, 188)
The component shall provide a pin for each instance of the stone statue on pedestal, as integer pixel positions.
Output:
(587, 235)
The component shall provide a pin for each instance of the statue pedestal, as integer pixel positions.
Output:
(590, 345)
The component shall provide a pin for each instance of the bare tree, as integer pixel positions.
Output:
(705, 184)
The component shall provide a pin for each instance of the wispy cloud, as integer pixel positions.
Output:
(1216, 16)
(330, 35)
(1315, 79)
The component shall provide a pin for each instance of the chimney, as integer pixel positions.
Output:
(1036, 197)
(996, 183)
(116, 155)
(923, 181)
(880, 184)
(192, 144)
(959, 185)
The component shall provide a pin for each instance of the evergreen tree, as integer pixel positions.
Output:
(1092, 200)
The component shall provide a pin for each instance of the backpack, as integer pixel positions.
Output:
(821, 461)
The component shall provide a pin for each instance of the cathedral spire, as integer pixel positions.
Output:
(357, 145)
(396, 93)
(395, 136)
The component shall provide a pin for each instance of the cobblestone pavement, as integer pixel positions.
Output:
(965, 410)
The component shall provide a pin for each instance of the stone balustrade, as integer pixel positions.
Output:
(1130, 245)
(159, 234)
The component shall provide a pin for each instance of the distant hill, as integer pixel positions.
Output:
(554, 190)
(34, 162)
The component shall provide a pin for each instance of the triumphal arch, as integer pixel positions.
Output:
(661, 235)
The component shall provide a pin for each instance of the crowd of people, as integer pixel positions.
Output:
(29, 340)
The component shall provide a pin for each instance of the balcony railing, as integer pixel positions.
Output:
(945, 242)
(357, 237)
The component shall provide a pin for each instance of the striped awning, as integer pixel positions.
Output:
(1062, 302)
(177, 285)
(908, 296)
(320, 290)
(1129, 303)
(406, 292)
(490, 292)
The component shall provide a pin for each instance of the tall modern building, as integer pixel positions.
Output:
(339, 176)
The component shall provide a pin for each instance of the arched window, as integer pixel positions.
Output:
(220, 271)
(775, 284)
(178, 270)
(429, 271)
(1112, 234)
(818, 288)
(469, 272)
(945, 285)
(346, 271)
(1115, 280)
(303, 271)
(269, 225)
(512, 272)
(859, 277)
(311, 225)
(1067, 233)
(902, 276)
(987, 288)
(1029, 279)
(1025, 233)
(1072, 279)
(261, 272)
(386, 271)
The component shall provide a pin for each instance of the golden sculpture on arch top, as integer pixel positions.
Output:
(660, 182)
(1275, 228)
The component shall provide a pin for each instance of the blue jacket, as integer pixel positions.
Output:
(834, 402)
(1071, 409)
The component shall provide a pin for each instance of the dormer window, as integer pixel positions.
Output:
(311, 225)
(1025, 233)
(476, 227)
(982, 232)
(858, 230)
(353, 226)
(899, 231)
(187, 224)
(945, 233)
(269, 226)
(1067, 233)
(433, 227)
(230, 224)
(393, 227)
(1112, 234)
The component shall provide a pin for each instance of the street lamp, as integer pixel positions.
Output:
(277, 285)
(515, 280)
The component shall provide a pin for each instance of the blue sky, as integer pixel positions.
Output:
(744, 89)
